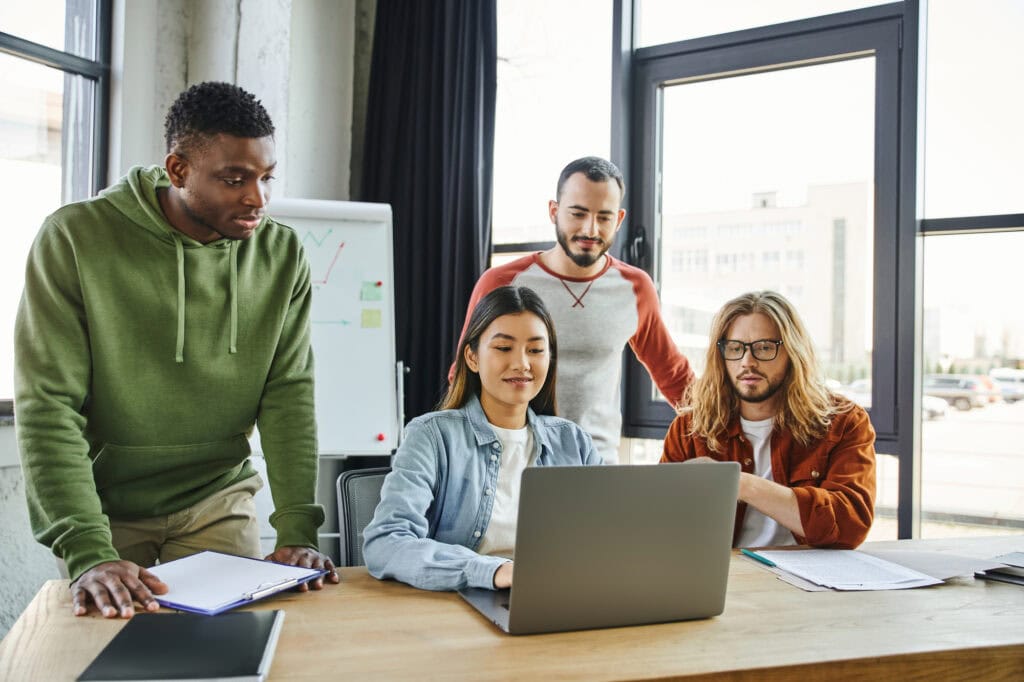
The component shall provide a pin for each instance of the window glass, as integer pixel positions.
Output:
(668, 21)
(41, 164)
(553, 105)
(972, 447)
(974, 104)
(66, 26)
(767, 184)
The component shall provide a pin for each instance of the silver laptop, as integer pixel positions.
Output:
(608, 546)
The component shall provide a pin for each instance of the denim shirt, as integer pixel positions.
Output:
(436, 502)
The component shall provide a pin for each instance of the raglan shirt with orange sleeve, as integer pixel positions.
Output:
(595, 318)
(833, 478)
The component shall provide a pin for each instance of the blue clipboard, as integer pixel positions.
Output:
(210, 582)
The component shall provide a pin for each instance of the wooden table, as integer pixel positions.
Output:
(366, 629)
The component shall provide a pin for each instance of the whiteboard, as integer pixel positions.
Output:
(348, 245)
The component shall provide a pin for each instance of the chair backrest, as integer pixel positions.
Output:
(358, 495)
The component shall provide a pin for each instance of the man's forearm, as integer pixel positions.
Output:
(771, 499)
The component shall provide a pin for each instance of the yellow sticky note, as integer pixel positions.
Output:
(371, 318)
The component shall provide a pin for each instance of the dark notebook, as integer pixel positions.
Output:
(188, 646)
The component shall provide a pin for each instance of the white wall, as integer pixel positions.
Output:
(294, 55)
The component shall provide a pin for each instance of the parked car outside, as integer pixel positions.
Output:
(1010, 382)
(932, 407)
(961, 391)
(990, 387)
(859, 391)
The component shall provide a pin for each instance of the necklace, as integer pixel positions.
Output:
(578, 299)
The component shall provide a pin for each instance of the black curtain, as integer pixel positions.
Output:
(429, 153)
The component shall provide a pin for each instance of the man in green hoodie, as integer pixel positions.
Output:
(160, 322)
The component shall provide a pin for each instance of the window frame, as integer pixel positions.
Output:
(96, 70)
(897, 312)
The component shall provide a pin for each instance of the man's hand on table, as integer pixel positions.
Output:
(113, 587)
(307, 558)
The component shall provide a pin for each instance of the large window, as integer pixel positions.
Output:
(53, 75)
(924, 332)
(974, 145)
(783, 157)
(765, 160)
(553, 106)
(772, 197)
(972, 349)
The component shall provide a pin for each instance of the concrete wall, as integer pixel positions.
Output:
(24, 564)
(297, 56)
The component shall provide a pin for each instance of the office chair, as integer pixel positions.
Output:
(358, 495)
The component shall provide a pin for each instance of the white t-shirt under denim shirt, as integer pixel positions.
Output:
(516, 454)
(760, 530)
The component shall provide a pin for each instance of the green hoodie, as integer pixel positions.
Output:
(142, 360)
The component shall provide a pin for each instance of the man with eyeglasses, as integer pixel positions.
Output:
(807, 455)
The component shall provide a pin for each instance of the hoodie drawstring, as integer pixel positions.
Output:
(179, 348)
(232, 348)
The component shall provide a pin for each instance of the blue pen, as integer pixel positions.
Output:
(757, 557)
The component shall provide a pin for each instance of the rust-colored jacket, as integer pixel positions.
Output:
(834, 478)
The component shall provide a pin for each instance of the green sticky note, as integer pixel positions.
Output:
(371, 318)
(371, 291)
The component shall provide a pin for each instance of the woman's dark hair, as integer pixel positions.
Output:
(501, 301)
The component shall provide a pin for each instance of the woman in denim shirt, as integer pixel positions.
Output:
(447, 515)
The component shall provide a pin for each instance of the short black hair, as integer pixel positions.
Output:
(210, 108)
(595, 169)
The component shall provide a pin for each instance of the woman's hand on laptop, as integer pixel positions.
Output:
(503, 576)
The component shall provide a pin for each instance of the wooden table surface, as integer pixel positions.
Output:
(367, 629)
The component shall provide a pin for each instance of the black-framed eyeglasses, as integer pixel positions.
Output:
(762, 349)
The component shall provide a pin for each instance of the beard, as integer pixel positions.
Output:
(583, 260)
(768, 392)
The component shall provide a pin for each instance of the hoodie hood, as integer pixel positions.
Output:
(135, 196)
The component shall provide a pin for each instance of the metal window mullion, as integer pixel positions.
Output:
(101, 99)
(48, 56)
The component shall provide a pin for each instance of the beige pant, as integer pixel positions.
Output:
(225, 522)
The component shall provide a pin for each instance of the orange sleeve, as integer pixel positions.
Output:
(653, 345)
(839, 513)
(678, 446)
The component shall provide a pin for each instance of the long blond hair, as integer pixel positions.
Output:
(807, 405)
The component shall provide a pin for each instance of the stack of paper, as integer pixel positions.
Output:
(1011, 571)
(846, 569)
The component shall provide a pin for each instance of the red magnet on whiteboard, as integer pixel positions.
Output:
(380, 283)
(380, 436)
